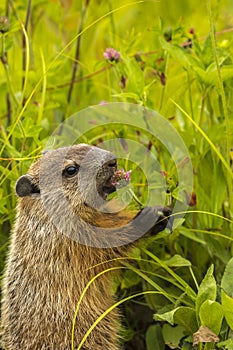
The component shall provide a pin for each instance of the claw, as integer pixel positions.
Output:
(165, 219)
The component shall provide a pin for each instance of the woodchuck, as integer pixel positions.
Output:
(65, 228)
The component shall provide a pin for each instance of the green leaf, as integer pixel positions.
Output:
(210, 75)
(227, 304)
(154, 338)
(3, 204)
(227, 279)
(182, 316)
(135, 253)
(177, 261)
(27, 129)
(228, 344)
(130, 95)
(134, 75)
(179, 54)
(207, 289)
(172, 335)
(130, 279)
(166, 316)
(186, 317)
(207, 52)
(211, 315)
(191, 235)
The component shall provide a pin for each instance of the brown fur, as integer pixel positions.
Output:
(47, 270)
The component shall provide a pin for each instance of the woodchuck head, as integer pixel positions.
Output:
(67, 187)
(81, 171)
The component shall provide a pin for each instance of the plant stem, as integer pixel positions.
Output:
(196, 148)
(77, 52)
(24, 49)
(223, 98)
(86, 77)
(4, 59)
(193, 276)
(9, 109)
(7, 8)
(166, 58)
(136, 199)
(43, 91)
(113, 26)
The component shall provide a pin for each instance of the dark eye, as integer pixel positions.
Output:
(71, 170)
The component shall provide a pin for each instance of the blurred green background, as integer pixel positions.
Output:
(169, 50)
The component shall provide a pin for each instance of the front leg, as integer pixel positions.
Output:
(159, 217)
(125, 227)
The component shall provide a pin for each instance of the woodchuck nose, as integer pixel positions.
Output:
(64, 229)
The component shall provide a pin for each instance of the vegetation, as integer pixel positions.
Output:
(176, 58)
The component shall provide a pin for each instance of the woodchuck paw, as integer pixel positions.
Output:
(160, 218)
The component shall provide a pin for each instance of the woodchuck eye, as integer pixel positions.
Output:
(71, 170)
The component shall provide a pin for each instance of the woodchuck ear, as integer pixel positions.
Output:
(25, 187)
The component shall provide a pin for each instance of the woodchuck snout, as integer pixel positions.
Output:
(64, 230)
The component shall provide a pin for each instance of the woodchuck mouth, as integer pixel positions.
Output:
(119, 178)
(108, 188)
(108, 170)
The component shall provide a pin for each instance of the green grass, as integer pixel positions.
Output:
(177, 59)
